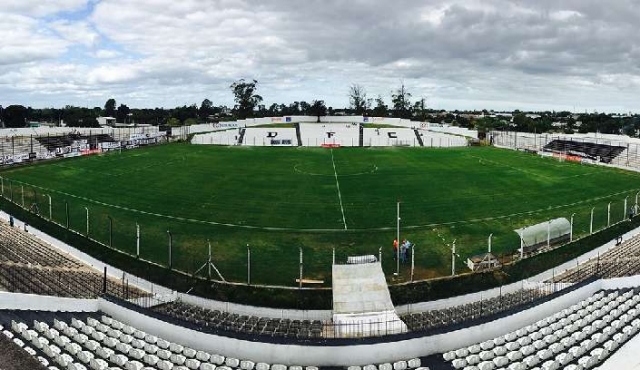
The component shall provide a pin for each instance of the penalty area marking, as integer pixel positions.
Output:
(344, 221)
(297, 169)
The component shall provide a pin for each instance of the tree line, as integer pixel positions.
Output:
(248, 104)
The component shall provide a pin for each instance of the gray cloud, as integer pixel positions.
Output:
(457, 53)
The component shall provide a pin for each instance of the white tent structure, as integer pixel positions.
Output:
(544, 234)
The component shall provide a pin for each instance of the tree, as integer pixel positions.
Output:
(305, 108)
(190, 121)
(173, 122)
(79, 117)
(245, 97)
(122, 114)
(318, 109)
(402, 102)
(381, 109)
(206, 109)
(358, 99)
(419, 110)
(15, 116)
(110, 108)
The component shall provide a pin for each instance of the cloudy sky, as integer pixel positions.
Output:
(468, 54)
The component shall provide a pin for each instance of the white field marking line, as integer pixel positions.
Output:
(271, 228)
(297, 169)
(344, 221)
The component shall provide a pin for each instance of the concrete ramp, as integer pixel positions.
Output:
(362, 304)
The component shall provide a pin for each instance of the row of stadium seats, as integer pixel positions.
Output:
(21, 247)
(225, 321)
(459, 314)
(109, 344)
(85, 341)
(619, 261)
(579, 337)
(606, 153)
(77, 283)
(29, 265)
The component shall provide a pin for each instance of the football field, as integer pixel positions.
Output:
(276, 201)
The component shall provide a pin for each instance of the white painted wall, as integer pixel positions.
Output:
(352, 354)
(34, 302)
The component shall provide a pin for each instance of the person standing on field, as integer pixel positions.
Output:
(395, 249)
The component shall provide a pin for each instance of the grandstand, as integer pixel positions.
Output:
(600, 152)
(65, 312)
(558, 324)
(29, 265)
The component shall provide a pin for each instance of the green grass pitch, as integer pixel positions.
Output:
(277, 200)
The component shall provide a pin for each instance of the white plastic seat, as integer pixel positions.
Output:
(150, 359)
(412, 364)
(98, 364)
(232, 362)
(500, 361)
(217, 359)
(136, 353)
(189, 352)
(486, 355)
(499, 351)
(458, 363)
(202, 356)
(150, 348)
(249, 365)
(207, 366)
(462, 352)
(85, 356)
(163, 354)
(133, 365)
(564, 358)
(472, 359)
(165, 365)
(194, 364)
(177, 359)
(263, 366)
(486, 365)
(92, 345)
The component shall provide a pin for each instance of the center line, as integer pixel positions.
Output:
(344, 221)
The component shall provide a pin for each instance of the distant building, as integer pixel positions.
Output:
(106, 121)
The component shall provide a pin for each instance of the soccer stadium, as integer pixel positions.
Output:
(319, 185)
(271, 246)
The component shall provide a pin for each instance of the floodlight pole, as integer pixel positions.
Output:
(489, 242)
(110, 231)
(413, 260)
(591, 223)
(453, 258)
(22, 192)
(549, 234)
(170, 250)
(50, 209)
(609, 214)
(248, 264)
(2, 185)
(398, 238)
(380, 255)
(571, 229)
(137, 240)
(638, 193)
(521, 245)
(66, 209)
(624, 215)
(301, 264)
(209, 264)
(87, 211)
(333, 256)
